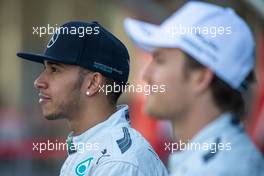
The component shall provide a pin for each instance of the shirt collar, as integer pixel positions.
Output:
(216, 127)
(222, 124)
(121, 116)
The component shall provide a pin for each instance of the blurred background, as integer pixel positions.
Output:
(21, 122)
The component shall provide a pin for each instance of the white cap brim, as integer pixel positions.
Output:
(148, 36)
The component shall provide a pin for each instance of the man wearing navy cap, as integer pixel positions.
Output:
(204, 54)
(70, 87)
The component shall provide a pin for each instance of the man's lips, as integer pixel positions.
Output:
(43, 98)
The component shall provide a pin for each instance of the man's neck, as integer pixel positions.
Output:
(193, 122)
(90, 117)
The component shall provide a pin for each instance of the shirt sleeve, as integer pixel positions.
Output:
(119, 168)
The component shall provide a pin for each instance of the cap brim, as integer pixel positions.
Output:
(39, 58)
(148, 36)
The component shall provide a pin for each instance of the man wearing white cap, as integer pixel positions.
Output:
(204, 55)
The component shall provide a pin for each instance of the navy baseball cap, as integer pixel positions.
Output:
(89, 45)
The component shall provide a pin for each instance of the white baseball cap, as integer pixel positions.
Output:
(215, 36)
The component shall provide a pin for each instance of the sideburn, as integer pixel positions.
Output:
(70, 110)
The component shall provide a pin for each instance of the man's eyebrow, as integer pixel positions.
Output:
(54, 63)
(156, 54)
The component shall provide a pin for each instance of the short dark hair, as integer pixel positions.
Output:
(114, 95)
(224, 96)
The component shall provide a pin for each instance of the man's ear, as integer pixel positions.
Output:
(93, 82)
(201, 79)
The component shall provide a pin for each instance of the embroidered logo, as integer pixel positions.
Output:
(82, 166)
(53, 39)
(124, 143)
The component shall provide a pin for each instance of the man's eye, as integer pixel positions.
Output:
(159, 61)
(53, 69)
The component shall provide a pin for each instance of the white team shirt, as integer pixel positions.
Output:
(112, 148)
(236, 156)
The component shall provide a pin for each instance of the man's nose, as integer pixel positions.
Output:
(40, 82)
(147, 73)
